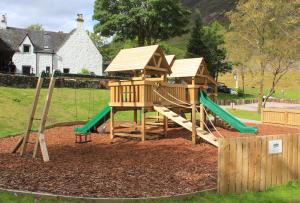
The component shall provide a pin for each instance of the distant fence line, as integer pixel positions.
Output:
(258, 162)
(22, 81)
(288, 117)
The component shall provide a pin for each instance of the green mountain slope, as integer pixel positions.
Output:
(210, 10)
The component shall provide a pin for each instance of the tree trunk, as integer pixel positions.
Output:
(261, 86)
(141, 38)
(243, 79)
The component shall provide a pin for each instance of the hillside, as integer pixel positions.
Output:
(211, 9)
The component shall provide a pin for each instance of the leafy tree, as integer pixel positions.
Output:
(97, 39)
(196, 46)
(208, 42)
(35, 27)
(263, 30)
(148, 21)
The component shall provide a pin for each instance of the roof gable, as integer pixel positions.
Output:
(170, 59)
(188, 68)
(43, 41)
(138, 59)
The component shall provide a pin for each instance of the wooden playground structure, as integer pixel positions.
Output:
(149, 91)
(145, 80)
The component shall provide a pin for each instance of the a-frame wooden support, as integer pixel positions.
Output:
(40, 139)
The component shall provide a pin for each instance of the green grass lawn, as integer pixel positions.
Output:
(15, 105)
(287, 88)
(282, 194)
(251, 115)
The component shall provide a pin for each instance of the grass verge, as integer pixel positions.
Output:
(284, 194)
(251, 115)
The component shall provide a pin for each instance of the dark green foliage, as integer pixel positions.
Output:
(196, 46)
(148, 21)
(208, 42)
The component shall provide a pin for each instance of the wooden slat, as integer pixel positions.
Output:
(24, 139)
(289, 117)
(40, 142)
(186, 124)
(245, 164)
(232, 171)
(264, 158)
(239, 162)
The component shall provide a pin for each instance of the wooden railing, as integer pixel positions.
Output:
(144, 93)
(289, 117)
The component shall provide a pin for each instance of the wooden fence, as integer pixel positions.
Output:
(247, 163)
(289, 117)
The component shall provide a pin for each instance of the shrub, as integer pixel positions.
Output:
(84, 71)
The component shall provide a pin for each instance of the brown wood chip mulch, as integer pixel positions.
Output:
(119, 168)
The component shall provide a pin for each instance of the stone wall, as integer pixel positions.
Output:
(21, 81)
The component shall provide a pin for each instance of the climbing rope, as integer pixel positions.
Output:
(213, 124)
(187, 107)
(179, 100)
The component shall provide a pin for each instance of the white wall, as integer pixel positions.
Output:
(25, 59)
(44, 60)
(79, 52)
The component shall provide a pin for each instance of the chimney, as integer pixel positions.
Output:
(79, 21)
(3, 22)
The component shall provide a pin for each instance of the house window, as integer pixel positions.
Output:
(66, 70)
(26, 70)
(48, 69)
(26, 48)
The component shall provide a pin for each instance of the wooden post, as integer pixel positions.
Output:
(194, 132)
(165, 126)
(40, 140)
(143, 127)
(193, 91)
(24, 139)
(202, 117)
(112, 122)
(135, 119)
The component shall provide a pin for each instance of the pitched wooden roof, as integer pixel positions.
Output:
(137, 59)
(187, 68)
(170, 59)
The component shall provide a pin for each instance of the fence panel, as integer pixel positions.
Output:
(289, 117)
(258, 162)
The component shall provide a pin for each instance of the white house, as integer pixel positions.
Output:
(35, 51)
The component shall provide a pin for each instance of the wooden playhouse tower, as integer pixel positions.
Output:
(148, 90)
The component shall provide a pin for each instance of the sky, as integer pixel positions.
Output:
(54, 15)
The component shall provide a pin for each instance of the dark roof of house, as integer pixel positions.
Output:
(43, 41)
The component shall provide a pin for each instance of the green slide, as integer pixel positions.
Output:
(95, 122)
(225, 116)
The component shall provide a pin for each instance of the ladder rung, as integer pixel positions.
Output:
(37, 119)
(30, 142)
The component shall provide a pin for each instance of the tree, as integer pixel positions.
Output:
(148, 21)
(258, 27)
(196, 46)
(35, 27)
(97, 39)
(208, 42)
(284, 58)
(215, 42)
